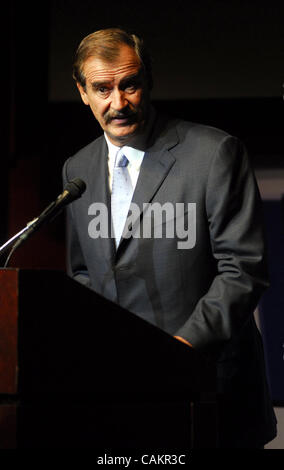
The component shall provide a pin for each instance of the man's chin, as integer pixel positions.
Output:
(121, 135)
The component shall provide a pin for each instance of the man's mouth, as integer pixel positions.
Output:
(121, 122)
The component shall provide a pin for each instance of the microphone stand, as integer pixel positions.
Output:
(72, 191)
(6, 245)
(23, 234)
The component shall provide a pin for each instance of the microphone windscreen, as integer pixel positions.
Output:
(75, 188)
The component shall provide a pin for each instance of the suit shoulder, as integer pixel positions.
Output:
(206, 141)
(206, 133)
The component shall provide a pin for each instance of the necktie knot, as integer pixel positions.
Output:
(121, 161)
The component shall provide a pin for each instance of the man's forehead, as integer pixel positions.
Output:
(126, 63)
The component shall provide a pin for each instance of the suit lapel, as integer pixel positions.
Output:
(99, 192)
(155, 168)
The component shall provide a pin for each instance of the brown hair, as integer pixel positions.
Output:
(105, 44)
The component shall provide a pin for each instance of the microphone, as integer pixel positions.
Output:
(72, 191)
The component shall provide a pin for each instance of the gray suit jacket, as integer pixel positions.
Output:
(206, 294)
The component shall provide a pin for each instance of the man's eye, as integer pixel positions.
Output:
(102, 89)
(130, 88)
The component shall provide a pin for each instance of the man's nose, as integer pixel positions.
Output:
(119, 100)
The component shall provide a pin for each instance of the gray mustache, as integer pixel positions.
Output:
(119, 115)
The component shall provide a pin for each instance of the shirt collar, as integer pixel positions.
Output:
(112, 151)
(134, 155)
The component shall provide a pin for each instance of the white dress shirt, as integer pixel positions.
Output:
(134, 156)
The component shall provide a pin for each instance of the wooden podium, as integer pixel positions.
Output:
(78, 371)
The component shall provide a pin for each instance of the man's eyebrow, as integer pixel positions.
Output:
(100, 83)
(134, 76)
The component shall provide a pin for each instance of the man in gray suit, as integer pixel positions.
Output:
(200, 284)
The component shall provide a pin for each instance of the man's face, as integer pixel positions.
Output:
(117, 94)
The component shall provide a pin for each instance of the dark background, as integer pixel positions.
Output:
(216, 62)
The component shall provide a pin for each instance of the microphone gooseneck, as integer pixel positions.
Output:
(72, 191)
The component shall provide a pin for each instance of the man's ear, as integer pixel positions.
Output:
(83, 94)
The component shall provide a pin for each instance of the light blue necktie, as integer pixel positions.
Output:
(121, 195)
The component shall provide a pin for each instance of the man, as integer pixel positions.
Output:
(203, 289)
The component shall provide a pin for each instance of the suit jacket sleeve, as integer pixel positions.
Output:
(76, 266)
(234, 216)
